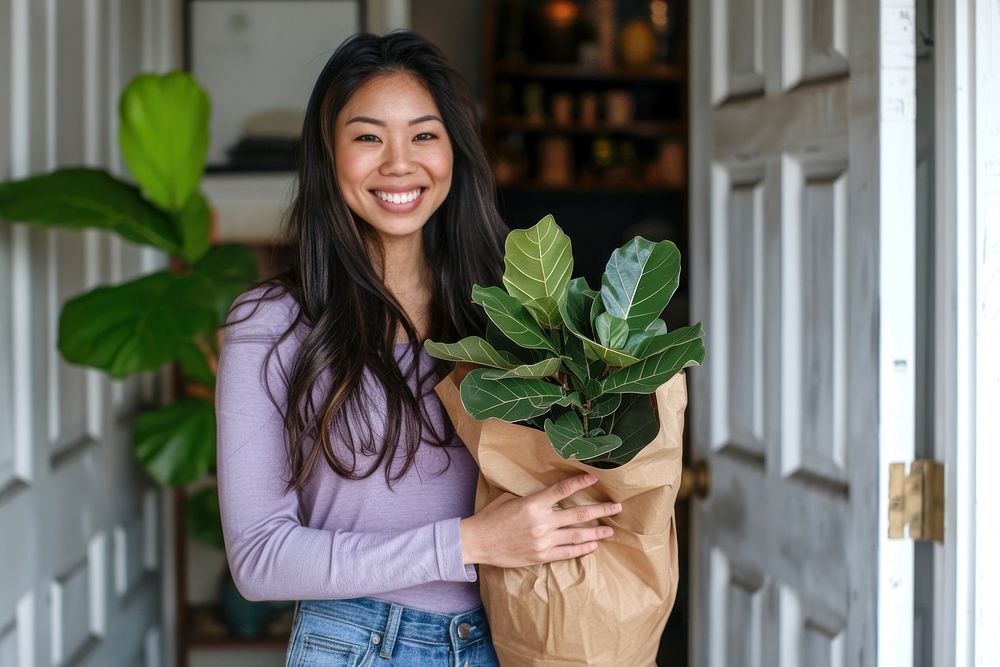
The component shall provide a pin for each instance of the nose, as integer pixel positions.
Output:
(398, 159)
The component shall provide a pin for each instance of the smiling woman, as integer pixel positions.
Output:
(342, 483)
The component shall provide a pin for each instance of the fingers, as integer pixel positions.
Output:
(567, 487)
(571, 551)
(585, 513)
(568, 536)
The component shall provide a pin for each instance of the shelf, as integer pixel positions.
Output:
(578, 189)
(665, 73)
(640, 128)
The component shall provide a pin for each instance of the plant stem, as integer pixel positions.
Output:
(606, 371)
(563, 380)
(586, 418)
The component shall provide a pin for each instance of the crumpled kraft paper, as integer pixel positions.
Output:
(607, 608)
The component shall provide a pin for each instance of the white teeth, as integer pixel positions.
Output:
(398, 197)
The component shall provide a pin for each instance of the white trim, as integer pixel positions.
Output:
(51, 119)
(954, 337)
(20, 241)
(20, 98)
(985, 298)
(896, 304)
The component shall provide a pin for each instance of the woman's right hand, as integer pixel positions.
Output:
(515, 532)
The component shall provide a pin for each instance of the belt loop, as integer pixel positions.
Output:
(391, 630)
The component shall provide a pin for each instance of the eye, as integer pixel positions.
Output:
(368, 138)
(425, 136)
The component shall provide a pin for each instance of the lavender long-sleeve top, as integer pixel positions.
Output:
(338, 538)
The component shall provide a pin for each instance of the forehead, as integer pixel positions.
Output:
(389, 97)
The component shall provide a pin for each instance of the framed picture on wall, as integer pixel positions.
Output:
(258, 60)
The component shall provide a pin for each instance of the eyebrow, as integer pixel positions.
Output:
(381, 123)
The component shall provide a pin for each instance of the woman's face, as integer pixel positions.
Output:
(392, 155)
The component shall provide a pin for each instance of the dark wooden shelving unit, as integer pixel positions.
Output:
(639, 128)
(515, 134)
(564, 71)
(594, 189)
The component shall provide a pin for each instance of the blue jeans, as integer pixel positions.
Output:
(366, 632)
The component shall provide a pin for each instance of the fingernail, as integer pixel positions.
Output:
(618, 507)
(607, 532)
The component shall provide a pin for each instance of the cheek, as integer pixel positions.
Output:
(443, 165)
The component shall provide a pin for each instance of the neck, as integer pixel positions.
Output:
(405, 271)
(408, 278)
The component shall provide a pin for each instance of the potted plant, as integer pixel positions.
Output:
(569, 379)
(168, 316)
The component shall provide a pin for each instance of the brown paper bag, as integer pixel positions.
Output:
(609, 607)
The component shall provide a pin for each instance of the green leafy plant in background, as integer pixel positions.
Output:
(167, 316)
(576, 362)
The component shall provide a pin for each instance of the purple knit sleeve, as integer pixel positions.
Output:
(272, 556)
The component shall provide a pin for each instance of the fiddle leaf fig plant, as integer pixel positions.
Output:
(576, 362)
(166, 316)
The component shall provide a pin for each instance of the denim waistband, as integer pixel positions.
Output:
(393, 621)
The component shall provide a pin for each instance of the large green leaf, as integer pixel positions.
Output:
(538, 263)
(512, 318)
(639, 280)
(194, 224)
(472, 349)
(576, 359)
(133, 327)
(194, 364)
(575, 307)
(566, 436)
(203, 519)
(609, 355)
(636, 425)
(611, 331)
(644, 377)
(543, 369)
(511, 400)
(164, 135)
(643, 345)
(176, 444)
(224, 272)
(82, 198)
(502, 344)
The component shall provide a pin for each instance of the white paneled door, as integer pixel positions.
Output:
(80, 580)
(802, 251)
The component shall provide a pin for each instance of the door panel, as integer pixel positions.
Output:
(739, 264)
(815, 40)
(738, 62)
(809, 325)
(814, 265)
(81, 580)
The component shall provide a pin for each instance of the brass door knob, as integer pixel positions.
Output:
(695, 481)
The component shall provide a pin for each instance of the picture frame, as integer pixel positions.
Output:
(258, 61)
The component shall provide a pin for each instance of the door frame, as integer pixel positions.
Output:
(967, 361)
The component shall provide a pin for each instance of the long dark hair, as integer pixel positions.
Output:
(351, 316)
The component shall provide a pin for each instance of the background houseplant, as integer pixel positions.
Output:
(573, 361)
(167, 316)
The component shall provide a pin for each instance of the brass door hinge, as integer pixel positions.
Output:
(916, 499)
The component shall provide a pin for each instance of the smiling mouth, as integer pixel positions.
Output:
(398, 197)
